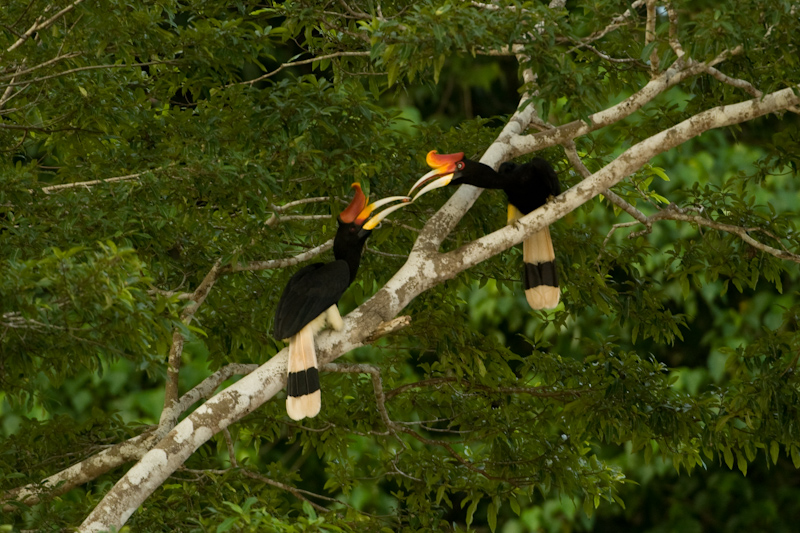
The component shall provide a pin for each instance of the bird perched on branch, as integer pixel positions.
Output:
(527, 187)
(309, 300)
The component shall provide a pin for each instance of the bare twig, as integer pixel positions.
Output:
(673, 32)
(40, 65)
(279, 263)
(88, 67)
(273, 220)
(673, 212)
(742, 84)
(231, 450)
(573, 157)
(87, 184)
(201, 292)
(288, 488)
(42, 25)
(7, 94)
(297, 63)
(385, 254)
(617, 22)
(173, 369)
(377, 385)
(650, 36)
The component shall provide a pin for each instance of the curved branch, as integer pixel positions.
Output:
(124, 452)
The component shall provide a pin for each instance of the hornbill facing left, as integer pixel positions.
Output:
(527, 186)
(309, 300)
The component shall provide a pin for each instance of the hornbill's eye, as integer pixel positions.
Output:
(460, 165)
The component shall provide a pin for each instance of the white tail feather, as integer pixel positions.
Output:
(303, 356)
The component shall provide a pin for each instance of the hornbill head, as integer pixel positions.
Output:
(452, 168)
(353, 219)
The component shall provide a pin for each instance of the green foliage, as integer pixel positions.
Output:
(674, 351)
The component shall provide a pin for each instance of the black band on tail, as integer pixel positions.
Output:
(303, 382)
(540, 274)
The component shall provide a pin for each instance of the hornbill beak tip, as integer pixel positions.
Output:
(441, 182)
(374, 221)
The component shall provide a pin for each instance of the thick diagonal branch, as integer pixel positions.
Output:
(130, 450)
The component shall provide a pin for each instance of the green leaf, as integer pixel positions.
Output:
(309, 510)
(471, 511)
(774, 450)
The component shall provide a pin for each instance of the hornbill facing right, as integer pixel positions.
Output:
(527, 186)
(309, 301)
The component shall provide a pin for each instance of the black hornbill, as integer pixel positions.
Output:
(527, 186)
(309, 300)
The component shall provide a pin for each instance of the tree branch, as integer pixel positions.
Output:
(303, 62)
(575, 160)
(42, 25)
(40, 65)
(650, 36)
(523, 144)
(119, 454)
(87, 184)
(88, 67)
(672, 212)
(279, 263)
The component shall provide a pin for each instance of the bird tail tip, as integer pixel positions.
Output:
(302, 384)
(540, 275)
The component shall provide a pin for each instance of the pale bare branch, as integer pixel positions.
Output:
(674, 43)
(675, 74)
(38, 25)
(280, 263)
(119, 454)
(88, 184)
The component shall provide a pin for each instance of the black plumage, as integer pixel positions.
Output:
(309, 301)
(528, 187)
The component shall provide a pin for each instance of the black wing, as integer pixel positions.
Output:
(310, 291)
(534, 183)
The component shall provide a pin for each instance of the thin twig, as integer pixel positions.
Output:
(650, 36)
(296, 63)
(41, 65)
(87, 184)
(573, 157)
(40, 26)
(231, 449)
(674, 43)
(279, 263)
(88, 67)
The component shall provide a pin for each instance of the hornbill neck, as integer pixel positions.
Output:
(348, 244)
(482, 176)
